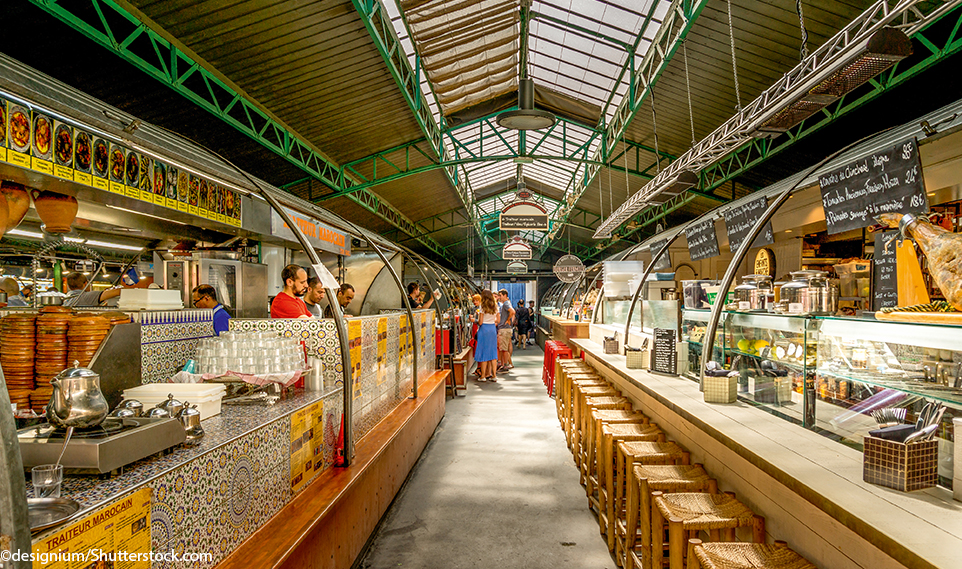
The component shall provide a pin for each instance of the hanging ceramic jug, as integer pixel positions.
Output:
(3, 215)
(57, 211)
(18, 202)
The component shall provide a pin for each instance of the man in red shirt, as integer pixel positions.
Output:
(288, 303)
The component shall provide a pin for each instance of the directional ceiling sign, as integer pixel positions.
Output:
(516, 248)
(523, 216)
(517, 268)
(569, 269)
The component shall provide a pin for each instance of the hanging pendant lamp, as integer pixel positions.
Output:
(526, 117)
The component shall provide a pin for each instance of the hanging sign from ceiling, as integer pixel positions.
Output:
(516, 248)
(569, 269)
(664, 262)
(517, 268)
(888, 181)
(523, 216)
(702, 240)
(740, 220)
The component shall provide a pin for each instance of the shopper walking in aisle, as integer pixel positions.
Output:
(523, 317)
(505, 330)
(534, 318)
(486, 352)
(475, 319)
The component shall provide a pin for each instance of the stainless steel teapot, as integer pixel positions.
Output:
(77, 400)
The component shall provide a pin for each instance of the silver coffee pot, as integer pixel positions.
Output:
(77, 400)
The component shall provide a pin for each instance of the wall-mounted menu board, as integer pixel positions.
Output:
(664, 353)
(663, 263)
(739, 221)
(888, 181)
(702, 240)
(885, 282)
(30, 139)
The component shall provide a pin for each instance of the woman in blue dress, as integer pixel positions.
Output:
(486, 352)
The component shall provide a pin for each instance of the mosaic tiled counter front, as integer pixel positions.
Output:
(382, 376)
(211, 497)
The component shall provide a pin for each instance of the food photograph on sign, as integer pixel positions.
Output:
(102, 158)
(42, 137)
(118, 162)
(82, 151)
(19, 128)
(3, 123)
(63, 145)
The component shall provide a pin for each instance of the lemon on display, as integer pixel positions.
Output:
(745, 345)
(759, 344)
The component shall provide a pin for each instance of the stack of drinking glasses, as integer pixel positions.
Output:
(255, 353)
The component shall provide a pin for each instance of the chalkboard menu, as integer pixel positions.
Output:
(888, 181)
(664, 262)
(664, 355)
(885, 282)
(740, 220)
(702, 240)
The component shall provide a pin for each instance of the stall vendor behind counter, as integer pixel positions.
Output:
(76, 282)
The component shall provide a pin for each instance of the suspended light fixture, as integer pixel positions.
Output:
(526, 117)
(681, 182)
(884, 49)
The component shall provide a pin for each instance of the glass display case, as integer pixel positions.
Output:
(830, 374)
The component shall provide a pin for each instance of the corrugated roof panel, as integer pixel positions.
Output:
(469, 48)
(312, 64)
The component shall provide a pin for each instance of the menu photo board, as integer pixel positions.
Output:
(664, 353)
(887, 181)
(662, 263)
(702, 240)
(31, 139)
(885, 281)
(740, 220)
(116, 535)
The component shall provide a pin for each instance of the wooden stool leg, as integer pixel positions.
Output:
(631, 513)
(714, 535)
(758, 529)
(676, 543)
(602, 466)
(692, 559)
(712, 486)
(656, 554)
(644, 515)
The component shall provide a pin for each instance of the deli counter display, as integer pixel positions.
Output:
(830, 374)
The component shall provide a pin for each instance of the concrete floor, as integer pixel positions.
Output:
(495, 487)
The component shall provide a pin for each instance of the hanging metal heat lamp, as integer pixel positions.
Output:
(526, 117)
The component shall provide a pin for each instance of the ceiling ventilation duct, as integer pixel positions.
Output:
(526, 117)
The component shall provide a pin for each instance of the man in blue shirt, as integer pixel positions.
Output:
(204, 296)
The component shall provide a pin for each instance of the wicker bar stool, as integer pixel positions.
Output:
(577, 383)
(644, 480)
(611, 434)
(566, 393)
(594, 473)
(576, 422)
(688, 513)
(630, 453)
(583, 408)
(565, 368)
(744, 556)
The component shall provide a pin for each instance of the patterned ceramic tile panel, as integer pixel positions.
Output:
(377, 401)
(320, 335)
(169, 339)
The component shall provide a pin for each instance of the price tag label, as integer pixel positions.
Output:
(795, 308)
(63, 172)
(116, 187)
(42, 166)
(18, 159)
(81, 178)
(744, 305)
